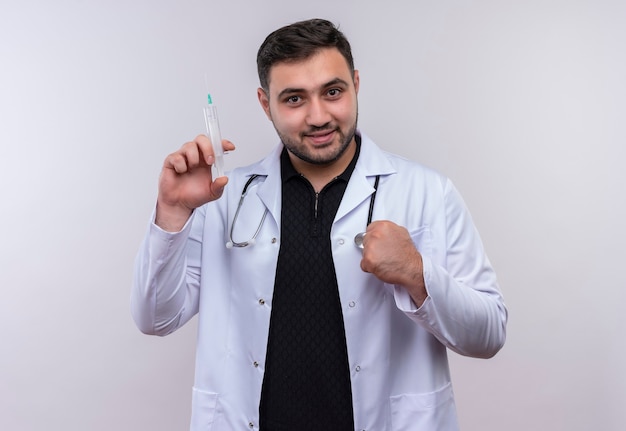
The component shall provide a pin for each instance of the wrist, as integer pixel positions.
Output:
(415, 284)
(171, 218)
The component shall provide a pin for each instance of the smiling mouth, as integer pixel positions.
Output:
(321, 137)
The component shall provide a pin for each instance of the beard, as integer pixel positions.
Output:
(301, 151)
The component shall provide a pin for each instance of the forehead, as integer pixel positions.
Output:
(309, 74)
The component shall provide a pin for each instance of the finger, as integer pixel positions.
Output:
(192, 154)
(206, 147)
(203, 143)
(364, 266)
(189, 156)
(227, 145)
(217, 187)
(176, 161)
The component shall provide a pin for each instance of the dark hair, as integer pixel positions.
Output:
(299, 41)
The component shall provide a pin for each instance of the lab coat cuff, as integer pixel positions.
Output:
(156, 228)
(162, 242)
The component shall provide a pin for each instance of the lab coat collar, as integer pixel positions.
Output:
(372, 161)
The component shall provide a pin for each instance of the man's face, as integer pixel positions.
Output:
(313, 106)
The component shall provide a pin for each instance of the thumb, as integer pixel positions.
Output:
(217, 187)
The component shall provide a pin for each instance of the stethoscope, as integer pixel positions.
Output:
(231, 242)
(358, 238)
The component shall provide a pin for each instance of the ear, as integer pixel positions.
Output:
(264, 100)
(356, 81)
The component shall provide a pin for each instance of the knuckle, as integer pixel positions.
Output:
(173, 159)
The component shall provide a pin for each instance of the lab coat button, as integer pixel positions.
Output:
(251, 425)
(351, 304)
(261, 301)
(358, 368)
(341, 242)
(256, 364)
(274, 240)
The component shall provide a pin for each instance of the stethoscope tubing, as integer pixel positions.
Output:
(358, 239)
(232, 243)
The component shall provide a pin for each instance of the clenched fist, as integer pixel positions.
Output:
(389, 254)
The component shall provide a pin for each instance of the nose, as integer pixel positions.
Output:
(318, 114)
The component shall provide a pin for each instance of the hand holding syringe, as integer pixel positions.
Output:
(213, 132)
(187, 180)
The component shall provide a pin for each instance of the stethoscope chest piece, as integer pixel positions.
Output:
(358, 239)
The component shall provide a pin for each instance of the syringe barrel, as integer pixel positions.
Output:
(213, 130)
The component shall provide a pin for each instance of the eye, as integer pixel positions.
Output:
(293, 100)
(334, 92)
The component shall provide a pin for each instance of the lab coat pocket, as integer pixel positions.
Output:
(432, 411)
(423, 239)
(203, 410)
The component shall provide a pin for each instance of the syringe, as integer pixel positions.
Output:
(213, 130)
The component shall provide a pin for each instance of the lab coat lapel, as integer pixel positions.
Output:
(270, 191)
(372, 161)
(360, 187)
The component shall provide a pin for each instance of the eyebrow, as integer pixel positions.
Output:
(330, 83)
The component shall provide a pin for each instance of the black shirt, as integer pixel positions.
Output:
(306, 384)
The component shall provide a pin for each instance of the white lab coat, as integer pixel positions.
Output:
(397, 352)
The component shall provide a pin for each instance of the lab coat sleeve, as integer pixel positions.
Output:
(166, 282)
(464, 309)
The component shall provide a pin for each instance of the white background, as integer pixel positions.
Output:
(521, 103)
